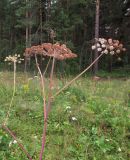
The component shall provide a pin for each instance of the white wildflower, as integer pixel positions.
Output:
(68, 107)
(107, 140)
(119, 149)
(14, 142)
(10, 143)
(74, 118)
(35, 137)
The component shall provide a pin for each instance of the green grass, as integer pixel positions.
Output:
(101, 131)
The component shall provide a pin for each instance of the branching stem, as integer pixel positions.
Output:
(14, 137)
(44, 110)
(50, 87)
(79, 75)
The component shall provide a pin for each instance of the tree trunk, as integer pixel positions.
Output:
(41, 20)
(28, 34)
(96, 34)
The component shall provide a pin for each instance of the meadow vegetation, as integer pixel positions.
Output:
(90, 120)
(55, 109)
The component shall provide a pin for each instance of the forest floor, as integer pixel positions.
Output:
(90, 120)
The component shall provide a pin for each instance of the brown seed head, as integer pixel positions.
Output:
(56, 50)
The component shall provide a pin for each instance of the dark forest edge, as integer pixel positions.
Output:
(27, 23)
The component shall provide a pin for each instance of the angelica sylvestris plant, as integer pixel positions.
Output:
(55, 51)
(60, 52)
(13, 59)
(103, 46)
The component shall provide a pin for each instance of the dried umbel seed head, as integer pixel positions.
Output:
(57, 50)
(118, 51)
(99, 49)
(103, 46)
(98, 45)
(124, 49)
(112, 52)
(105, 51)
(102, 40)
(115, 45)
(14, 58)
(111, 48)
(108, 46)
(110, 41)
(93, 47)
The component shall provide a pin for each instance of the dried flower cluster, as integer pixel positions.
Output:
(15, 58)
(56, 50)
(108, 46)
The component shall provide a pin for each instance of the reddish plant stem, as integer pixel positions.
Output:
(20, 145)
(44, 110)
(79, 75)
(50, 89)
(45, 117)
(43, 87)
(47, 67)
(43, 139)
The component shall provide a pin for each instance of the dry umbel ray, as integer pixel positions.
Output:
(57, 50)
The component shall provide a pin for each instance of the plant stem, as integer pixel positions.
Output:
(8, 114)
(47, 66)
(50, 89)
(44, 110)
(11, 102)
(79, 75)
(45, 117)
(43, 138)
(20, 145)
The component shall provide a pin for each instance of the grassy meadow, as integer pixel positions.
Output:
(90, 120)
